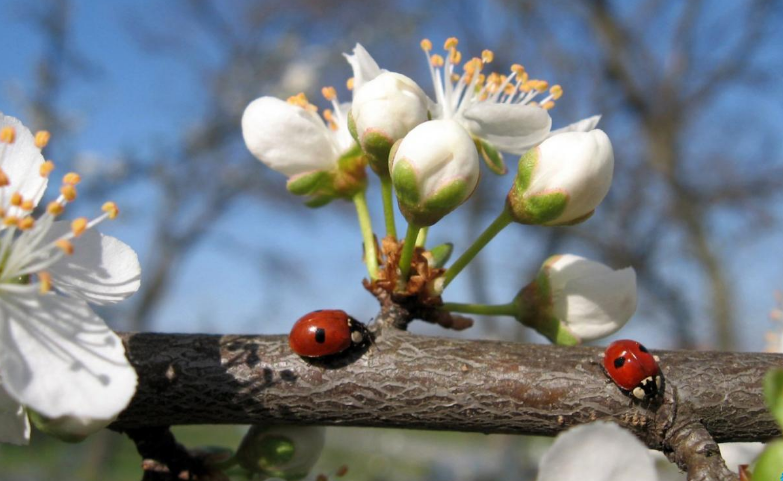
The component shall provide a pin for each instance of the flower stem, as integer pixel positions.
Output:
(365, 224)
(407, 251)
(388, 206)
(489, 233)
(509, 309)
(421, 240)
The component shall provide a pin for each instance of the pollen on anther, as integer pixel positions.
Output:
(16, 199)
(46, 168)
(3, 179)
(10, 220)
(426, 45)
(45, 282)
(65, 246)
(487, 56)
(28, 204)
(42, 138)
(72, 178)
(69, 192)
(436, 60)
(55, 208)
(329, 93)
(78, 226)
(349, 83)
(450, 43)
(556, 91)
(548, 105)
(25, 223)
(7, 135)
(455, 57)
(111, 209)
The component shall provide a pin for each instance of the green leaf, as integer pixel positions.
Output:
(773, 393)
(491, 156)
(442, 253)
(307, 183)
(769, 465)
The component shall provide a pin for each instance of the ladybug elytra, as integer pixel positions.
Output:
(631, 366)
(326, 332)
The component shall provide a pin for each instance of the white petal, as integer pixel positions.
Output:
(365, 68)
(287, 138)
(512, 128)
(21, 162)
(599, 451)
(584, 125)
(60, 359)
(102, 270)
(14, 425)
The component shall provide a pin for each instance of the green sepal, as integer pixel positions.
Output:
(769, 464)
(352, 127)
(308, 182)
(441, 254)
(318, 201)
(491, 156)
(537, 209)
(377, 147)
(773, 393)
(406, 185)
(448, 197)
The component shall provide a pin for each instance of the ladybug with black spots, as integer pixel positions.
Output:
(631, 366)
(326, 332)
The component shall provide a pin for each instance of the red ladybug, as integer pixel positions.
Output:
(631, 366)
(326, 332)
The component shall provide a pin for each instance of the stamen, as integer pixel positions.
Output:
(454, 77)
(556, 91)
(16, 199)
(300, 100)
(426, 45)
(455, 56)
(55, 208)
(450, 43)
(65, 246)
(45, 282)
(10, 220)
(487, 56)
(3, 179)
(7, 135)
(349, 83)
(42, 138)
(329, 93)
(548, 105)
(111, 209)
(518, 69)
(25, 223)
(78, 226)
(72, 178)
(69, 192)
(436, 60)
(46, 168)
(28, 205)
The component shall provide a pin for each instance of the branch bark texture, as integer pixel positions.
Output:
(410, 381)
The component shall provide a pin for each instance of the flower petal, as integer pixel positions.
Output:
(365, 68)
(512, 128)
(14, 425)
(287, 138)
(21, 162)
(102, 270)
(599, 451)
(584, 125)
(60, 359)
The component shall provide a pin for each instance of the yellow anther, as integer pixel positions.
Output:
(10, 220)
(349, 83)
(455, 57)
(300, 100)
(65, 246)
(526, 86)
(112, 209)
(7, 135)
(45, 282)
(42, 138)
(327, 113)
(16, 199)
(450, 43)
(472, 66)
(28, 205)
(548, 105)
(509, 89)
(46, 168)
(78, 226)
(540, 85)
(436, 60)
(25, 223)
(3, 178)
(556, 91)
(481, 79)
(454, 77)
(72, 178)
(329, 93)
(55, 208)
(426, 45)
(518, 69)
(487, 56)
(69, 192)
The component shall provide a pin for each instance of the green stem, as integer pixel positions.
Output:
(407, 252)
(509, 309)
(489, 233)
(421, 240)
(365, 224)
(388, 206)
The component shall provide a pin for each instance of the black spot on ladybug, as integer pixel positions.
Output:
(618, 363)
(320, 335)
(642, 348)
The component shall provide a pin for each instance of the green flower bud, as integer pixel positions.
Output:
(288, 452)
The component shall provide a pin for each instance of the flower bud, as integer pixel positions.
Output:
(71, 429)
(574, 299)
(384, 110)
(434, 169)
(289, 452)
(562, 181)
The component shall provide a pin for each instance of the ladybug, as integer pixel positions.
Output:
(631, 366)
(326, 332)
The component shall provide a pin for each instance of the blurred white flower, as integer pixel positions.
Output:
(599, 451)
(576, 299)
(289, 452)
(57, 357)
(434, 169)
